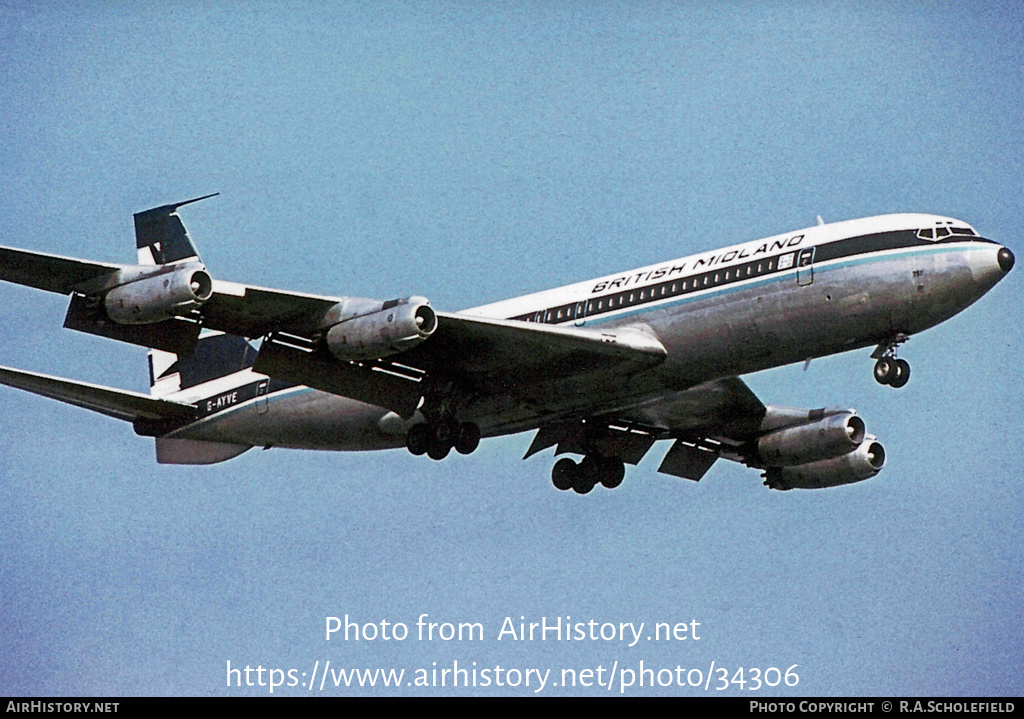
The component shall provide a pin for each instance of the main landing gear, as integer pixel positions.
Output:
(437, 439)
(889, 370)
(583, 477)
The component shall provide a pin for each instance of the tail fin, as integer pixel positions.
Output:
(161, 237)
(217, 356)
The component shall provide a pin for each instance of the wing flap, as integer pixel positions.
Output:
(485, 345)
(688, 460)
(117, 403)
(365, 382)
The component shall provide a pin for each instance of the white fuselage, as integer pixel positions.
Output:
(740, 309)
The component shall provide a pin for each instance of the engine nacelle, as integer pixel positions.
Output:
(828, 437)
(159, 297)
(863, 463)
(399, 325)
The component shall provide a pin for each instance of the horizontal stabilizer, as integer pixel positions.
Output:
(120, 404)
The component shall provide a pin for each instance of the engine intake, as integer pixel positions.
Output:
(397, 326)
(159, 297)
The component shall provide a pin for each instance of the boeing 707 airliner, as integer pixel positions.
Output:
(600, 369)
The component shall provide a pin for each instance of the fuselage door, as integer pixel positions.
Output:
(805, 266)
(262, 401)
(580, 313)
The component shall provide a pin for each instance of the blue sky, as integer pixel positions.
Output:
(471, 152)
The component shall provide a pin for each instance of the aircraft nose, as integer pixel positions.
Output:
(1005, 259)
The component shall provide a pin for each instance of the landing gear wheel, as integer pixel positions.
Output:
(438, 450)
(467, 439)
(445, 432)
(612, 472)
(902, 374)
(563, 474)
(417, 440)
(885, 370)
(583, 482)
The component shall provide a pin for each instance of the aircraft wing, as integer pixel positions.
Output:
(710, 420)
(520, 361)
(120, 404)
(53, 273)
(253, 312)
(478, 344)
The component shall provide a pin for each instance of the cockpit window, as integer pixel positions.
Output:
(937, 233)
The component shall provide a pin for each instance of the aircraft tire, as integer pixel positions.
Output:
(467, 439)
(587, 475)
(439, 450)
(902, 374)
(417, 441)
(613, 470)
(563, 474)
(446, 431)
(885, 370)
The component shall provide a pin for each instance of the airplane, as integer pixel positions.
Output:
(602, 369)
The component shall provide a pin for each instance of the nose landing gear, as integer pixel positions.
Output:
(889, 370)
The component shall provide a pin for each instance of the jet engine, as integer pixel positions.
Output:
(828, 437)
(862, 463)
(159, 296)
(397, 326)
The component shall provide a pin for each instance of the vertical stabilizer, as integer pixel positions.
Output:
(161, 237)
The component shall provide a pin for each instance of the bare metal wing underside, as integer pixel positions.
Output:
(706, 421)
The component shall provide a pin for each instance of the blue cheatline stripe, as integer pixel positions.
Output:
(247, 404)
